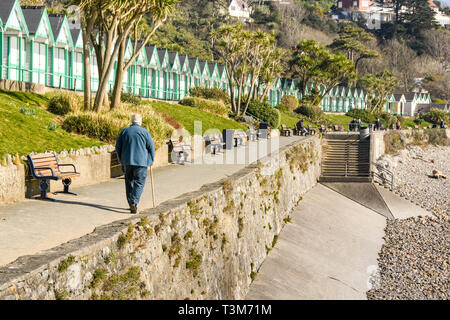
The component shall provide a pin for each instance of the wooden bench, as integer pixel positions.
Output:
(45, 167)
(285, 131)
(179, 150)
(214, 143)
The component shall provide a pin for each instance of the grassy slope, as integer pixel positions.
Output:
(23, 134)
(187, 115)
(290, 120)
(338, 119)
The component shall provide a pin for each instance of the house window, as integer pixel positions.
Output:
(233, 8)
(355, 3)
(339, 4)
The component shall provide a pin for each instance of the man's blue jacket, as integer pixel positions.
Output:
(135, 147)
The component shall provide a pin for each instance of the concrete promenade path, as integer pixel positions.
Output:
(328, 251)
(31, 226)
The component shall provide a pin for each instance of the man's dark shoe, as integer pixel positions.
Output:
(133, 208)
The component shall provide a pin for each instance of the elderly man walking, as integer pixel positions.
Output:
(135, 151)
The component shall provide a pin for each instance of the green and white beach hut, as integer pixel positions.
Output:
(13, 44)
(77, 61)
(40, 37)
(174, 75)
(164, 73)
(205, 75)
(59, 56)
(184, 76)
(196, 74)
(152, 73)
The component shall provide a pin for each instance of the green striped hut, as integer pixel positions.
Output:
(174, 75)
(13, 42)
(205, 75)
(59, 56)
(214, 72)
(152, 73)
(137, 70)
(40, 37)
(185, 77)
(196, 74)
(223, 77)
(164, 74)
(76, 61)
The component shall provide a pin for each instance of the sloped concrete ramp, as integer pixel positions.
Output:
(328, 251)
(365, 193)
(400, 207)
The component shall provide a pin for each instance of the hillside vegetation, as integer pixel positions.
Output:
(27, 127)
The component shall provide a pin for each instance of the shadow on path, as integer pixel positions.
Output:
(97, 206)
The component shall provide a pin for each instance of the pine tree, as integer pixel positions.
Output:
(419, 16)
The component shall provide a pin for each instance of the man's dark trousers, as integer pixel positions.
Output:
(134, 183)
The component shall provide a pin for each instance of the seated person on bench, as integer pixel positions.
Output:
(301, 128)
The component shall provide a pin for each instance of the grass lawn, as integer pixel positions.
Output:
(25, 126)
(187, 115)
(339, 119)
(409, 123)
(290, 121)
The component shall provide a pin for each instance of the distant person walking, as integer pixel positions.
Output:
(378, 124)
(135, 151)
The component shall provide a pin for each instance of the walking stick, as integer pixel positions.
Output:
(153, 186)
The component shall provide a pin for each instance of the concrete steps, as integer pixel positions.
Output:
(345, 158)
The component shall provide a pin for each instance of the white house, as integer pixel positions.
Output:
(240, 9)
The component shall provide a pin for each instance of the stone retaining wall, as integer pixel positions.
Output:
(208, 244)
(378, 145)
(95, 165)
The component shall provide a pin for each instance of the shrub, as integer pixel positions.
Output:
(435, 115)
(265, 112)
(126, 97)
(59, 104)
(27, 111)
(290, 102)
(209, 93)
(437, 137)
(282, 108)
(418, 121)
(312, 112)
(217, 107)
(107, 126)
(393, 141)
(363, 114)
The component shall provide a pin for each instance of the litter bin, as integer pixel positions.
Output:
(263, 130)
(363, 133)
(228, 138)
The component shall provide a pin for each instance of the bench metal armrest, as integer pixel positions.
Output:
(43, 168)
(68, 165)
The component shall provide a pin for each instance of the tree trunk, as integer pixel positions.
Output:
(115, 100)
(85, 29)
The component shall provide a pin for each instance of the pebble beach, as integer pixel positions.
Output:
(414, 261)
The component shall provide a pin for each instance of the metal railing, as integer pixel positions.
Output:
(383, 175)
(346, 164)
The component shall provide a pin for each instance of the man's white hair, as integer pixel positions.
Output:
(136, 119)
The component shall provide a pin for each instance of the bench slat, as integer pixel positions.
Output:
(42, 156)
(45, 164)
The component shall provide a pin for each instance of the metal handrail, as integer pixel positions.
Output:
(346, 163)
(383, 179)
